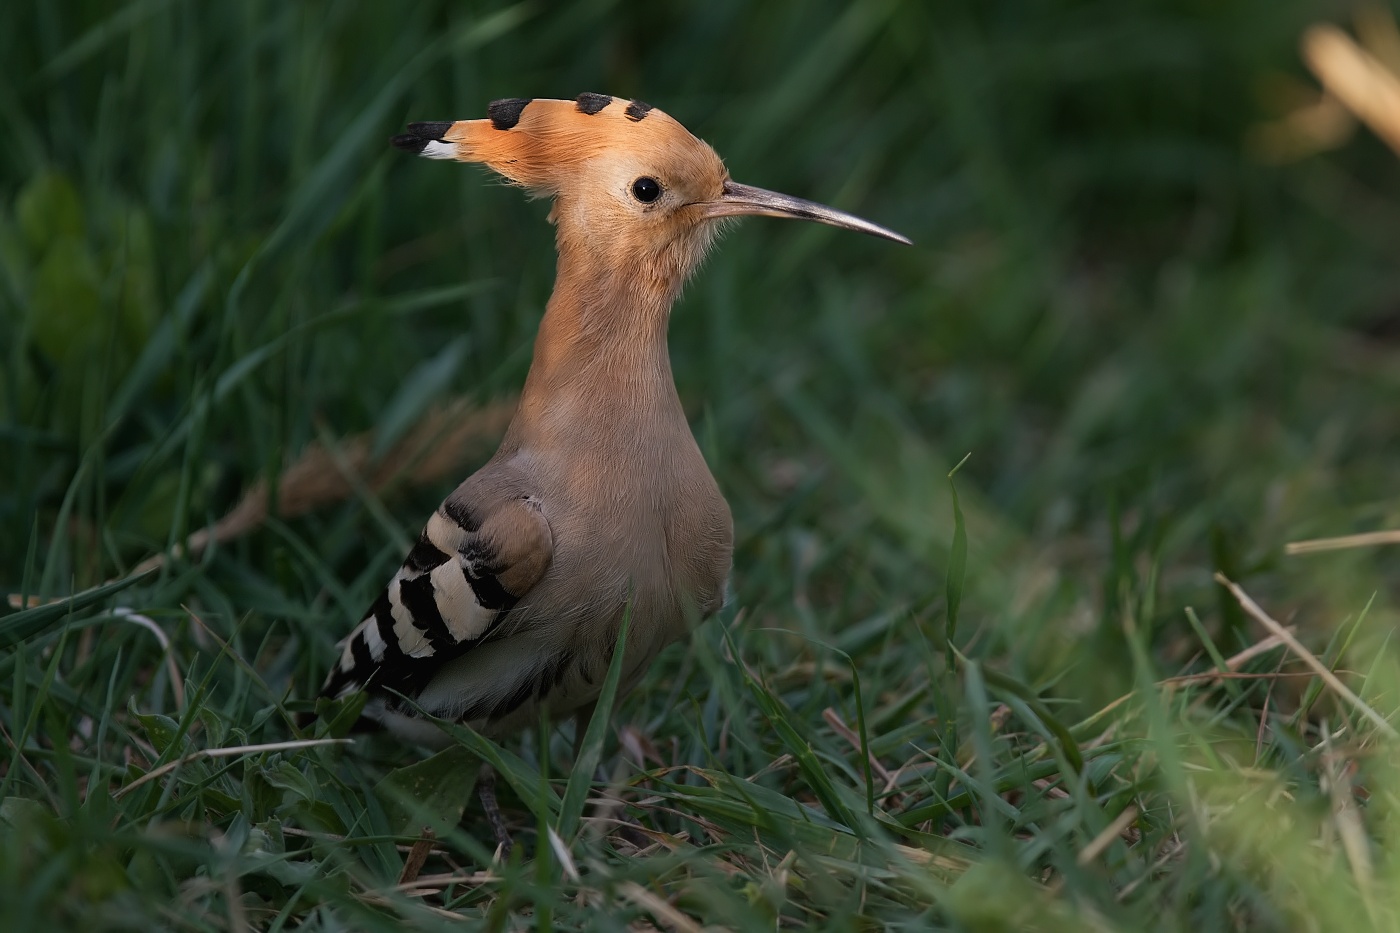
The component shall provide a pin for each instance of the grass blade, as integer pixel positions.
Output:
(590, 745)
(27, 623)
(957, 568)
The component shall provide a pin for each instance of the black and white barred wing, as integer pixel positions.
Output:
(467, 571)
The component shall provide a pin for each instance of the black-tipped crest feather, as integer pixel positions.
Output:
(420, 134)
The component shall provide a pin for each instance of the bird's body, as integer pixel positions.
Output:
(598, 503)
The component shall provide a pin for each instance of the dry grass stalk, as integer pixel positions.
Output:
(1346, 816)
(838, 725)
(1307, 657)
(177, 682)
(224, 753)
(1368, 539)
(437, 446)
(1231, 672)
(1360, 80)
(1104, 839)
(379, 900)
(662, 910)
(417, 857)
(435, 884)
(1357, 78)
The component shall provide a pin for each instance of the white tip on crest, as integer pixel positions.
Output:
(437, 149)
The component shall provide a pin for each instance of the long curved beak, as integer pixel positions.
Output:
(741, 200)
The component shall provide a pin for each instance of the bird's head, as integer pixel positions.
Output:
(631, 186)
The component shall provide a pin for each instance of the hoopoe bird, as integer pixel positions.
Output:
(598, 503)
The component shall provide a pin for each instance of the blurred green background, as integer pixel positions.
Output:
(1168, 350)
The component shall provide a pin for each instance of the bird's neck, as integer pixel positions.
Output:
(601, 361)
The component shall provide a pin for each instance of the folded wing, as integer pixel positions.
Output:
(470, 567)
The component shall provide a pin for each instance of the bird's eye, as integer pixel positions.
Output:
(646, 189)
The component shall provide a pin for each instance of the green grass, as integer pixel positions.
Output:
(1165, 357)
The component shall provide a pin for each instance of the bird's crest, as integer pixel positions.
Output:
(540, 144)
